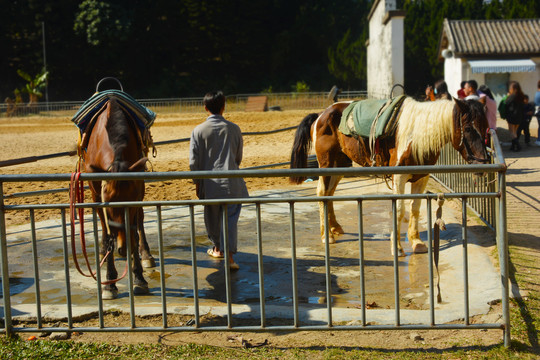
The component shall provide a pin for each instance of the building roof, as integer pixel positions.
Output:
(488, 38)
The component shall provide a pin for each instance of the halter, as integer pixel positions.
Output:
(470, 155)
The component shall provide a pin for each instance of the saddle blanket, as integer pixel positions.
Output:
(143, 116)
(371, 118)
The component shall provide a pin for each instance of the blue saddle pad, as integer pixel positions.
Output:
(143, 116)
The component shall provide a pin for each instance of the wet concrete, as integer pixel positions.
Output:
(345, 282)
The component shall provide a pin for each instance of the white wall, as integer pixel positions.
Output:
(528, 80)
(457, 70)
(385, 52)
(453, 74)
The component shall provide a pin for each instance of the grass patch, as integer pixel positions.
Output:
(15, 348)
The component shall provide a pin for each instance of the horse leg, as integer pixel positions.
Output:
(106, 249)
(326, 187)
(399, 188)
(110, 291)
(147, 259)
(417, 245)
(140, 286)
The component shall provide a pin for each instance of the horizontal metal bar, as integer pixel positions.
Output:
(30, 159)
(264, 329)
(256, 200)
(247, 133)
(60, 190)
(176, 175)
(38, 192)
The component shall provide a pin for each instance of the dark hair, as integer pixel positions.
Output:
(484, 89)
(515, 89)
(473, 84)
(214, 101)
(442, 90)
(538, 84)
(462, 84)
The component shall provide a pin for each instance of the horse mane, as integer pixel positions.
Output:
(424, 126)
(118, 131)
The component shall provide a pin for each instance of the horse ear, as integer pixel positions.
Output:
(139, 165)
(462, 105)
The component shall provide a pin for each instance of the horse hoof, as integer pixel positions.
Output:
(337, 230)
(331, 240)
(109, 294)
(140, 289)
(148, 263)
(419, 248)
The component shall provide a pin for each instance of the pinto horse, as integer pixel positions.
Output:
(114, 146)
(423, 129)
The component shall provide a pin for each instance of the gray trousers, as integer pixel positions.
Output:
(213, 218)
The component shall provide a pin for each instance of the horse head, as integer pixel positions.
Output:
(470, 131)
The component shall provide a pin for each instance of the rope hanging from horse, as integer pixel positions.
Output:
(76, 195)
(437, 227)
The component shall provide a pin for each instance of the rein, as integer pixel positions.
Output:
(437, 227)
(76, 195)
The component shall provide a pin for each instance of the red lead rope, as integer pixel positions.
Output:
(76, 195)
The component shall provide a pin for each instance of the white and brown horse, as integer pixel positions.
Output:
(423, 129)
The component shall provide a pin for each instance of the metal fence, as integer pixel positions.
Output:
(498, 195)
(484, 208)
(282, 101)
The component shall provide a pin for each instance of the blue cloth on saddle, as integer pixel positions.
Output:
(143, 116)
(358, 118)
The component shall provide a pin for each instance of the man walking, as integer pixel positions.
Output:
(216, 145)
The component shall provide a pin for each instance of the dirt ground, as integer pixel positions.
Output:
(33, 136)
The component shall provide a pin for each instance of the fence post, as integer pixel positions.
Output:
(502, 245)
(5, 270)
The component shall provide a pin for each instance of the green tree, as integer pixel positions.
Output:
(347, 61)
(34, 85)
(102, 21)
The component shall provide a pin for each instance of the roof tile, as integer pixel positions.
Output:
(493, 37)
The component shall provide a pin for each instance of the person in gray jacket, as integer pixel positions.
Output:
(217, 145)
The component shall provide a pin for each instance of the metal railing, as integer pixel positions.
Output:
(283, 101)
(484, 208)
(498, 169)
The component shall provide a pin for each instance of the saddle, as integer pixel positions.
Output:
(140, 115)
(372, 119)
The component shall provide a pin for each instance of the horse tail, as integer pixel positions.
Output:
(301, 146)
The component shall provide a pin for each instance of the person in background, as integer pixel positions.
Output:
(528, 112)
(430, 95)
(441, 90)
(514, 112)
(471, 90)
(486, 96)
(461, 92)
(215, 145)
(537, 113)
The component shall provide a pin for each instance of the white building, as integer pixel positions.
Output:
(492, 52)
(385, 50)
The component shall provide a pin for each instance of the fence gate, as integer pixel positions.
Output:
(289, 281)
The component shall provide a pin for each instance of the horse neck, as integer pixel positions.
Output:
(424, 127)
(120, 134)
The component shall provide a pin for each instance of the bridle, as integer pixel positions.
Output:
(463, 141)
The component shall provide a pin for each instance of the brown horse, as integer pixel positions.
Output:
(115, 145)
(423, 129)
